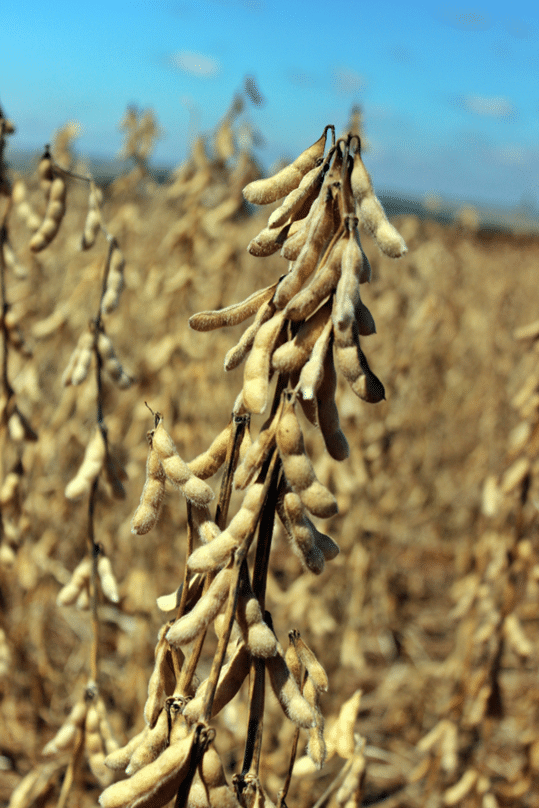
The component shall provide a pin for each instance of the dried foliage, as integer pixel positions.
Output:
(401, 670)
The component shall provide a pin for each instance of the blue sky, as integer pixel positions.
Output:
(450, 94)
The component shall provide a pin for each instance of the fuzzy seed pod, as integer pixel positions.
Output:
(317, 674)
(237, 354)
(268, 241)
(213, 555)
(79, 362)
(232, 315)
(184, 630)
(108, 579)
(155, 784)
(313, 370)
(119, 759)
(162, 681)
(324, 282)
(56, 208)
(231, 678)
(115, 280)
(298, 469)
(325, 544)
(292, 660)
(293, 355)
(204, 525)
(66, 734)
(294, 518)
(355, 368)
(90, 468)
(151, 746)
(95, 748)
(260, 640)
(257, 368)
(177, 470)
(320, 231)
(92, 223)
(301, 198)
(152, 495)
(262, 192)
(45, 174)
(111, 362)
(328, 414)
(210, 788)
(371, 212)
(297, 234)
(208, 463)
(316, 747)
(80, 580)
(258, 452)
(294, 706)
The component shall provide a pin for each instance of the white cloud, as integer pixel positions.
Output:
(494, 107)
(196, 64)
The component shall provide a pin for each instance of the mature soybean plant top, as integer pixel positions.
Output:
(312, 318)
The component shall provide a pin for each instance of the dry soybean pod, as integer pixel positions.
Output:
(56, 208)
(322, 285)
(188, 627)
(152, 495)
(213, 555)
(234, 314)
(262, 192)
(320, 230)
(66, 734)
(80, 580)
(177, 470)
(372, 213)
(298, 468)
(268, 241)
(208, 463)
(161, 681)
(114, 278)
(92, 223)
(313, 667)
(109, 585)
(90, 468)
(298, 232)
(111, 363)
(354, 366)
(300, 198)
(258, 452)
(79, 362)
(292, 355)
(294, 518)
(119, 759)
(231, 678)
(328, 414)
(154, 784)
(237, 354)
(151, 746)
(257, 368)
(294, 706)
(259, 639)
(45, 173)
(325, 544)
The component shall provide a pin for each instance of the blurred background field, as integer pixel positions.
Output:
(431, 607)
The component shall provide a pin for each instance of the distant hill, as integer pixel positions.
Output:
(523, 219)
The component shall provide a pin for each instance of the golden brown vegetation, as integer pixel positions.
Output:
(425, 623)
